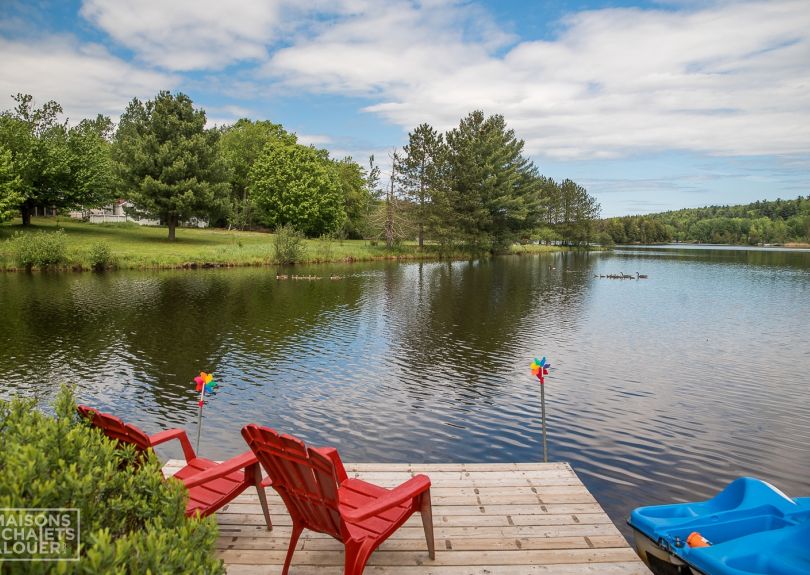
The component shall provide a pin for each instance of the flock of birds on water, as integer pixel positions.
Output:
(306, 278)
(621, 276)
(618, 276)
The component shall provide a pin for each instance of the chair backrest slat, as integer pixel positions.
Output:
(324, 474)
(114, 428)
(304, 479)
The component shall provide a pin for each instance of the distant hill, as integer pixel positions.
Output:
(763, 222)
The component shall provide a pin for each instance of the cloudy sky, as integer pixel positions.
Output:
(649, 105)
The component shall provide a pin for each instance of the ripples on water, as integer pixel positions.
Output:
(662, 390)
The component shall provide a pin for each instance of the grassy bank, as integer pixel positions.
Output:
(140, 247)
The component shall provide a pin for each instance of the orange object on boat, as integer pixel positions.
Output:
(695, 539)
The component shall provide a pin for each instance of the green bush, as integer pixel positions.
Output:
(605, 239)
(101, 256)
(289, 245)
(132, 520)
(39, 249)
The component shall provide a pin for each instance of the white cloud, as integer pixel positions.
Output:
(390, 46)
(188, 34)
(731, 79)
(85, 79)
(317, 140)
(225, 115)
(184, 35)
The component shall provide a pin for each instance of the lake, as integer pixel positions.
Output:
(662, 389)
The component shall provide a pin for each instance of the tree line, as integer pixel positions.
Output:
(474, 186)
(762, 222)
(471, 187)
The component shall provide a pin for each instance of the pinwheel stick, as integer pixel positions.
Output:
(540, 369)
(543, 411)
(199, 418)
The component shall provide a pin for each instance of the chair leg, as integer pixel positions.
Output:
(356, 557)
(296, 533)
(426, 511)
(257, 477)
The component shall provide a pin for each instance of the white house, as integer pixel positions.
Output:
(117, 213)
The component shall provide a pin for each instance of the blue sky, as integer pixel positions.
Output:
(650, 105)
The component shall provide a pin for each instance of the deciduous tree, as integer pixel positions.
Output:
(297, 185)
(48, 165)
(240, 145)
(91, 167)
(10, 196)
(357, 197)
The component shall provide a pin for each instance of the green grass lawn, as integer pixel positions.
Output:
(140, 247)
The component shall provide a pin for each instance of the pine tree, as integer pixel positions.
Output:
(169, 163)
(494, 189)
(423, 176)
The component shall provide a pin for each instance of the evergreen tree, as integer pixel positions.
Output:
(373, 177)
(578, 210)
(168, 162)
(423, 176)
(494, 190)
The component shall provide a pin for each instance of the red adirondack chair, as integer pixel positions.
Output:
(210, 485)
(319, 496)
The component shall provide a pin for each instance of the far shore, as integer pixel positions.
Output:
(134, 247)
(796, 245)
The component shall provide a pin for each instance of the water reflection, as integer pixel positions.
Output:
(663, 389)
(734, 255)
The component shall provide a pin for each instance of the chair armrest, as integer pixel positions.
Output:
(332, 454)
(238, 463)
(414, 487)
(169, 434)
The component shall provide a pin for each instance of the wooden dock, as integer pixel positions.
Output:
(489, 519)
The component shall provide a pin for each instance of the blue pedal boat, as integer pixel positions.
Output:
(749, 528)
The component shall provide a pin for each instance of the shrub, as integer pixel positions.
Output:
(289, 245)
(132, 520)
(605, 239)
(40, 249)
(101, 256)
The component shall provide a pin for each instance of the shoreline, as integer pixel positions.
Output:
(145, 248)
(201, 264)
(786, 245)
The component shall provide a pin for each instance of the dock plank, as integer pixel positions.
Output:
(489, 518)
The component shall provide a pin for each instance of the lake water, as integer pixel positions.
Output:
(662, 389)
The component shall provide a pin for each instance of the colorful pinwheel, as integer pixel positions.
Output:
(205, 384)
(540, 368)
